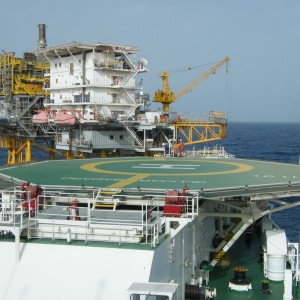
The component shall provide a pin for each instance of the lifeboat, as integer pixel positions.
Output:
(40, 118)
(64, 118)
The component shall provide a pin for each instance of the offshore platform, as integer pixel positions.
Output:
(84, 100)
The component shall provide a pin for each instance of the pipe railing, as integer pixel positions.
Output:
(144, 226)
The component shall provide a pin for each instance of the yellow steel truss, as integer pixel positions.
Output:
(199, 132)
(20, 77)
(19, 150)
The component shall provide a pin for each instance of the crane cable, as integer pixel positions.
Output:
(192, 68)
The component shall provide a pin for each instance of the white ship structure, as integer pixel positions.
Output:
(95, 100)
(87, 100)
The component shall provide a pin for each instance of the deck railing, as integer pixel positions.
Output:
(12, 210)
(60, 217)
(87, 224)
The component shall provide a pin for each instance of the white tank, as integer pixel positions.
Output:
(276, 246)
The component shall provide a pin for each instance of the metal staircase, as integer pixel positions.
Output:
(132, 133)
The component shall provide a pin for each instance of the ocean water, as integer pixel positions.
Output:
(267, 141)
(278, 142)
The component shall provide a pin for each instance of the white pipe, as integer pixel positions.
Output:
(17, 243)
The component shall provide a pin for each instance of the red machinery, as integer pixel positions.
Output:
(175, 203)
(30, 193)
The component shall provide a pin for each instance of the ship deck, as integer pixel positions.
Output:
(148, 178)
(214, 177)
(245, 253)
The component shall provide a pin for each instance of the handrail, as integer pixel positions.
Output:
(46, 219)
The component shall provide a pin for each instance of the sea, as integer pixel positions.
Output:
(279, 142)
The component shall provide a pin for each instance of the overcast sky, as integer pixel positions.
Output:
(260, 36)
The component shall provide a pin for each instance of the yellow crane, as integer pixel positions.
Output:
(166, 96)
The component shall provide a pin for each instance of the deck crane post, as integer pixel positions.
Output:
(166, 96)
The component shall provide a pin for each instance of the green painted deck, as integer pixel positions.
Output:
(214, 176)
(245, 254)
(156, 173)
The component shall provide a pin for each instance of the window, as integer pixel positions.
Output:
(147, 297)
(55, 65)
(77, 98)
(111, 137)
(86, 97)
(56, 80)
(59, 64)
(152, 291)
(71, 68)
(121, 137)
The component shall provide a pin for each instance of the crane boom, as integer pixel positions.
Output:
(166, 96)
(202, 77)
